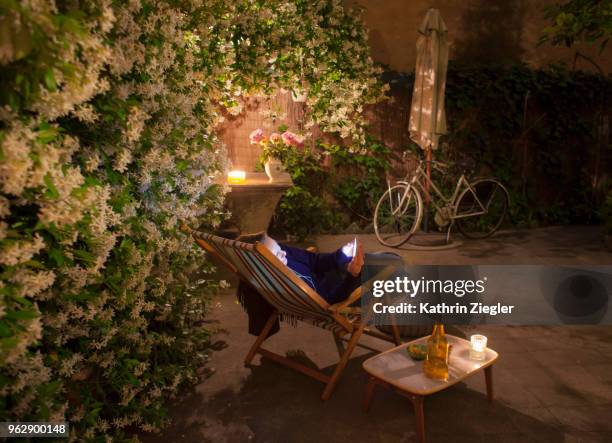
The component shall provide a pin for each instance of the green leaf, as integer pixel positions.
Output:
(51, 192)
(52, 229)
(113, 286)
(43, 411)
(8, 343)
(46, 133)
(92, 415)
(50, 80)
(57, 255)
(49, 389)
(5, 331)
(182, 165)
(92, 181)
(21, 315)
(84, 255)
(22, 301)
(132, 379)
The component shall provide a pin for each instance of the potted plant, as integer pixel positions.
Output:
(273, 148)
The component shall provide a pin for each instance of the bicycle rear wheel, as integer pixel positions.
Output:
(397, 215)
(493, 197)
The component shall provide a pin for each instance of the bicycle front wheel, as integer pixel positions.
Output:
(397, 215)
(480, 213)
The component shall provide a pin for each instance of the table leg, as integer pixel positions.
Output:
(369, 393)
(489, 380)
(417, 404)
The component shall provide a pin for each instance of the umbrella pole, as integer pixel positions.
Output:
(428, 162)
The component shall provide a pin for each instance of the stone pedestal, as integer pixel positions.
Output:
(253, 202)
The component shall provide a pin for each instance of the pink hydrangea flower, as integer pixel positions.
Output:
(288, 137)
(293, 139)
(256, 136)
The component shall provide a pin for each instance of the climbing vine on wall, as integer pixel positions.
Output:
(108, 113)
(317, 50)
(545, 133)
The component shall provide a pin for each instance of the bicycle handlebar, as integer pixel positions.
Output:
(436, 164)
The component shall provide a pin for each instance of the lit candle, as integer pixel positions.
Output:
(478, 346)
(236, 177)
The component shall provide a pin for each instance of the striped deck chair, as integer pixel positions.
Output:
(291, 298)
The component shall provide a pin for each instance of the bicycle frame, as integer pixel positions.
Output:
(420, 179)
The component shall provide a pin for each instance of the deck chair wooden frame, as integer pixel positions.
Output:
(291, 296)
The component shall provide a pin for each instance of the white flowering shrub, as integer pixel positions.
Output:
(107, 144)
(314, 48)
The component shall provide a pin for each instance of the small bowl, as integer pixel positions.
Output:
(417, 352)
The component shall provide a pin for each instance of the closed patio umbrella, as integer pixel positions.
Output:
(427, 114)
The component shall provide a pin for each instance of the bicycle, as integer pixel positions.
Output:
(477, 208)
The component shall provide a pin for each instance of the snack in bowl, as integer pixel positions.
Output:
(417, 351)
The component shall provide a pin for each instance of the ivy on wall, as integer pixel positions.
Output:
(544, 133)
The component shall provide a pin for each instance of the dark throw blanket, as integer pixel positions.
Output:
(257, 309)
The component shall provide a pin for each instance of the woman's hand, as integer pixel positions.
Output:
(355, 265)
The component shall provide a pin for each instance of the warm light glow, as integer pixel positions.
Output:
(236, 177)
(478, 346)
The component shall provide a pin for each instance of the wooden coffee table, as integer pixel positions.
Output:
(396, 369)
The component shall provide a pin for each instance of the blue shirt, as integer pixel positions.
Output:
(324, 272)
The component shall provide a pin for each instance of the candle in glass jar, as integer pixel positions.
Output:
(236, 177)
(478, 345)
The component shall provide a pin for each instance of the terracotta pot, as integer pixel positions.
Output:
(274, 169)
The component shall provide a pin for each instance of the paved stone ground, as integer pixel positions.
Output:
(553, 384)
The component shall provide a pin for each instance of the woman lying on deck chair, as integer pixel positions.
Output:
(270, 291)
(334, 275)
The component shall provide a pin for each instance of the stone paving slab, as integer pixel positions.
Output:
(553, 384)
(554, 246)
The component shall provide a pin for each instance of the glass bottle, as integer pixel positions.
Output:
(436, 363)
